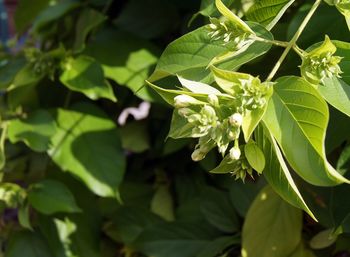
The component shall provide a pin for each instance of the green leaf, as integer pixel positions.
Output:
(35, 130)
(209, 9)
(268, 218)
(85, 75)
(297, 117)
(162, 203)
(189, 55)
(154, 18)
(28, 243)
(129, 222)
(9, 70)
(277, 173)
(302, 252)
(323, 239)
(88, 20)
(343, 164)
(232, 17)
(24, 216)
(218, 246)
(126, 59)
(87, 145)
(53, 13)
(134, 137)
(218, 210)
(268, 12)
(255, 156)
(337, 93)
(52, 196)
(26, 12)
(173, 240)
(243, 194)
(251, 119)
(198, 87)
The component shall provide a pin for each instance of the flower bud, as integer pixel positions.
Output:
(198, 155)
(236, 119)
(213, 100)
(185, 112)
(235, 153)
(184, 101)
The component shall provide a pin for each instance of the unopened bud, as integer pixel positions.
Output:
(213, 100)
(235, 153)
(184, 101)
(185, 112)
(236, 119)
(198, 155)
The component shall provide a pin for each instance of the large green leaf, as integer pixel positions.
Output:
(272, 227)
(297, 117)
(87, 145)
(27, 244)
(337, 93)
(35, 130)
(85, 75)
(277, 173)
(268, 12)
(189, 55)
(51, 196)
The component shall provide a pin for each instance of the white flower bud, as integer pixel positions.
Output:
(185, 112)
(235, 153)
(213, 26)
(236, 119)
(184, 101)
(213, 100)
(198, 155)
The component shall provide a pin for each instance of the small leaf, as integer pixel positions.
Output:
(24, 216)
(323, 239)
(88, 20)
(35, 130)
(251, 119)
(232, 17)
(85, 75)
(268, 218)
(51, 196)
(255, 156)
(198, 87)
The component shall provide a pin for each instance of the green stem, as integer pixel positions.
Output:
(273, 42)
(293, 40)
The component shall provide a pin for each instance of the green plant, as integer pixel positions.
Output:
(75, 183)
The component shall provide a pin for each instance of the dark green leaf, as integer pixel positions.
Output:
(85, 75)
(35, 130)
(87, 145)
(51, 196)
(267, 220)
(218, 210)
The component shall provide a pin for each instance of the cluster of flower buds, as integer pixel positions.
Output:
(240, 166)
(320, 63)
(208, 124)
(253, 93)
(227, 32)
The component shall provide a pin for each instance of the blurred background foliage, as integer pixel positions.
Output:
(78, 183)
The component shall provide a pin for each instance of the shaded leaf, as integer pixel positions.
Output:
(268, 218)
(52, 196)
(87, 145)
